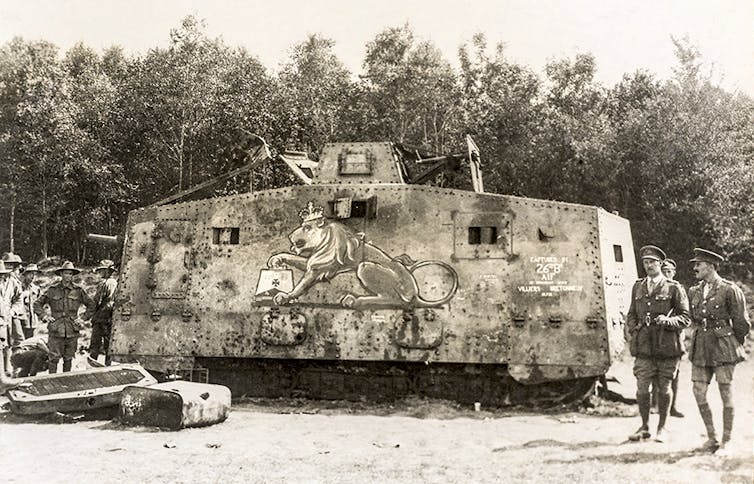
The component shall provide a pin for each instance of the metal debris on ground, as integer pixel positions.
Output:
(76, 391)
(174, 405)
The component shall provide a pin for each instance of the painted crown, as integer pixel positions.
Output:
(311, 212)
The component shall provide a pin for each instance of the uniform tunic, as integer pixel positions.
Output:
(650, 340)
(31, 357)
(720, 323)
(11, 307)
(29, 295)
(657, 347)
(104, 300)
(64, 301)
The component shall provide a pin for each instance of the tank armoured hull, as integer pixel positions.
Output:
(365, 284)
(346, 290)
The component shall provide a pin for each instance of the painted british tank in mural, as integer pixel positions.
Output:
(365, 280)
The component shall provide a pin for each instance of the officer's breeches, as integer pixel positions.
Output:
(650, 370)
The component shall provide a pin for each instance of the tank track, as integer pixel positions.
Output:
(491, 385)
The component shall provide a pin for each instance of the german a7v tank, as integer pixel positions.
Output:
(364, 282)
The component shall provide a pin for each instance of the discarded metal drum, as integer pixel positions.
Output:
(76, 391)
(174, 405)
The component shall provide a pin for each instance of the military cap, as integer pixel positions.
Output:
(652, 252)
(11, 258)
(30, 268)
(704, 255)
(105, 264)
(67, 266)
(669, 263)
(3, 269)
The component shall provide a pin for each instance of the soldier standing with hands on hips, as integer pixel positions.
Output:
(64, 298)
(658, 313)
(721, 323)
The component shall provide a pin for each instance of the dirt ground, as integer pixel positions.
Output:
(409, 441)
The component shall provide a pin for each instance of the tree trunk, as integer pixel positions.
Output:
(181, 145)
(12, 218)
(44, 219)
(180, 172)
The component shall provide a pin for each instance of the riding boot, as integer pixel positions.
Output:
(674, 412)
(663, 405)
(711, 444)
(67, 365)
(727, 423)
(52, 367)
(643, 400)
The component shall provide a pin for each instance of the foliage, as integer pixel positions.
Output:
(86, 136)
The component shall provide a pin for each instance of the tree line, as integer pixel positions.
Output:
(86, 136)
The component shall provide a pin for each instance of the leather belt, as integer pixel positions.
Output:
(711, 324)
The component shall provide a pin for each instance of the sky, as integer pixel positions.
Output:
(623, 35)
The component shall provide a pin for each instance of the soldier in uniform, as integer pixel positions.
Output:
(10, 310)
(102, 320)
(30, 292)
(31, 357)
(668, 268)
(721, 323)
(64, 298)
(659, 311)
(13, 262)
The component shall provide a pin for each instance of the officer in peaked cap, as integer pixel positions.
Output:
(65, 298)
(102, 320)
(721, 323)
(704, 255)
(658, 312)
(652, 252)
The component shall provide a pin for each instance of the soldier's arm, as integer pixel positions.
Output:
(39, 305)
(738, 314)
(89, 303)
(17, 301)
(109, 296)
(681, 314)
